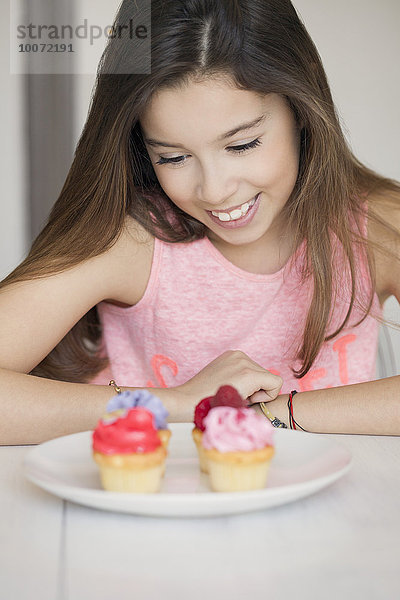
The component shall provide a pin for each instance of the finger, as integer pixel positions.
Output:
(260, 396)
(267, 383)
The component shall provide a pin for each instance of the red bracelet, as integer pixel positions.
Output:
(292, 423)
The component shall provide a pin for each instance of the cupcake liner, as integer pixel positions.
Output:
(197, 436)
(132, 473)
(238, 471)
(138, 481)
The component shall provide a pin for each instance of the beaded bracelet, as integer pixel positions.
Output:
(292, 423)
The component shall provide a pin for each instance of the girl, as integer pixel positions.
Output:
(214, 228)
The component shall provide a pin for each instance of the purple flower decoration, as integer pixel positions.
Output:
(143, 398)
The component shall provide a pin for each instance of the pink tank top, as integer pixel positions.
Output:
(197, 305)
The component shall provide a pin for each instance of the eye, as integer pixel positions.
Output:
(244, 147)
(175, 160)
(178, 160)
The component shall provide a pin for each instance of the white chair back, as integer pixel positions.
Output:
(386, 359)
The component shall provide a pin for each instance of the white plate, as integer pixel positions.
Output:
(303, 464)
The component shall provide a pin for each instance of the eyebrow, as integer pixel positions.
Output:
(223, 136)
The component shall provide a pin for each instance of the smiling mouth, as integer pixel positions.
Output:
(235, 214)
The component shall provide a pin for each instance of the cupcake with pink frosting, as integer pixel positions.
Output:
(238, 446)
(226, 395)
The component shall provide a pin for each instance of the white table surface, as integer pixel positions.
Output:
(342, 542)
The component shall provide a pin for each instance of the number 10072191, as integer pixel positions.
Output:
(45, 48)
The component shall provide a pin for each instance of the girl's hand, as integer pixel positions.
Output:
(237, 369)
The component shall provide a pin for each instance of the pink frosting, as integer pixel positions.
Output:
(229, 429)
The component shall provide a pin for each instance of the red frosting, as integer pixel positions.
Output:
(226, 395)
(135, 432)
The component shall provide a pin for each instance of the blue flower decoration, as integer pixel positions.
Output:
(143, 398)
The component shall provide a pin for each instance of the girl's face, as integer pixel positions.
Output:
(225, 156)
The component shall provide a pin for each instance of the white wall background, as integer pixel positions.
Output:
(359, 43)
(13, 238)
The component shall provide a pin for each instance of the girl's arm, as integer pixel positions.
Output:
(371, 408)
(35, 409)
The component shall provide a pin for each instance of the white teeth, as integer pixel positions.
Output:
(223, 216)
(234, 214)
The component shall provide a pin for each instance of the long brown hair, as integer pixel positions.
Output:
(262, 46)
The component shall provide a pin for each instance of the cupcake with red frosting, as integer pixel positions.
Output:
(238, 447)
(129, 452)
(144, 399)
(226, 395)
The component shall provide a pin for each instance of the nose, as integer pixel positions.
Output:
(216, 185)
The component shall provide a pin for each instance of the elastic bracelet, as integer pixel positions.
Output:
(273, 420)
(292, 423)
(115, 386)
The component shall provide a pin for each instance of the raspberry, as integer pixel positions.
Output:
(201, 411)
(227, 395)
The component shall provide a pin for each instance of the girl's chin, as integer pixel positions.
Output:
(234, 237)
